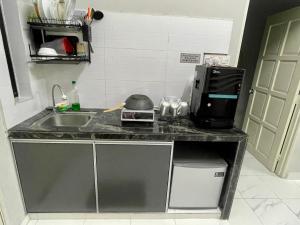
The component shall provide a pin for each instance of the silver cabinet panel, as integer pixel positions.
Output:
(133, 178)
(56, 177)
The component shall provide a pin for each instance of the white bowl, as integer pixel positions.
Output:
(47, 52)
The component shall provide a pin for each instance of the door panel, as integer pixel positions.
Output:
(133, 177)
(253, 131)
(276, 33)
(276, 86)
(258, 104)
(292, 45)
(274, 111)
(56, 177)
(284, 76)
(265, 141)
(266, 74)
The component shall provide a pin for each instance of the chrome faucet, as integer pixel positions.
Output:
(63, 96)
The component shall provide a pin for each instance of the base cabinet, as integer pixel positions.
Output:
(133, 177)
(56, 177)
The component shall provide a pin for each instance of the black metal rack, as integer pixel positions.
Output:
(40, 26)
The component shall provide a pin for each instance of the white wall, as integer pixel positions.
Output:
(17, 111)
(137, 53)
(17, 48)
(11, 113)
(10, 197)
(234, 10)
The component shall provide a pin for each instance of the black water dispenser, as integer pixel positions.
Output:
(215, 96)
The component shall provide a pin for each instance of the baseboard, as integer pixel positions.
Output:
(293, 176)
(171, 214)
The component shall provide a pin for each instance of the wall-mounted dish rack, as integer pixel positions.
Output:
(44, 30)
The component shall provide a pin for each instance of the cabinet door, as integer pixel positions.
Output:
(56, 177)
(133, 177)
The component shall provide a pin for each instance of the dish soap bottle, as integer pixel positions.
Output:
(75, 97)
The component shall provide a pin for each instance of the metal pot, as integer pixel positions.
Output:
(139, 102)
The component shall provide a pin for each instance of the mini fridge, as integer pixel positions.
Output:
(197, 183)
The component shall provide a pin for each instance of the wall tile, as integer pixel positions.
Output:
(134, 53)
(118, 91)
(200, 35)
(177, 71)
(179, 89)
(96, 69)
(98, 33)
(135, 65)
(92, 93)
(136, 31)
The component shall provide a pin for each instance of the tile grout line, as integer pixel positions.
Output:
(261, 222)
(290, 209)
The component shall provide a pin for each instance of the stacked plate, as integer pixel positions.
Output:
(55, 9)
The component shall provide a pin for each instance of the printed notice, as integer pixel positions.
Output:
(190, 58)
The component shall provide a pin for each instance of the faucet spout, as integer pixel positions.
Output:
(63, 96)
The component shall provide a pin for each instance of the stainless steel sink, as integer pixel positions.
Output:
(79, 119)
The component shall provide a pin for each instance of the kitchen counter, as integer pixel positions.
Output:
(62, 142)
(108, 126)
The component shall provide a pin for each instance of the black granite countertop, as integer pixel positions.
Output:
(109, 126)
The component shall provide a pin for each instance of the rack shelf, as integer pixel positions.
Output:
(42, 30)
(70, 59)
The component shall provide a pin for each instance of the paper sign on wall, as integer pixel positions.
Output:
(213, 59)
(190, 58)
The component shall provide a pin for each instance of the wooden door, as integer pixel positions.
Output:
(275, 87)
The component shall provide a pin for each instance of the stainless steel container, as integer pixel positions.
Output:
(183, 109)
(165, 108)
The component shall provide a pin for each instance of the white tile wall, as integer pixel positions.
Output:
(134, 53)
(135, 65)
(137, 53)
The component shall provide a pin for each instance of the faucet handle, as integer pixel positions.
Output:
(64, 97)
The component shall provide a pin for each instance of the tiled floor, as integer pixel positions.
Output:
(261, 199)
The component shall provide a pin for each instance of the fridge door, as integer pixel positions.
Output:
(196, 187)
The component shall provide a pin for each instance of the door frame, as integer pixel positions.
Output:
(287, 148)
(2, 222)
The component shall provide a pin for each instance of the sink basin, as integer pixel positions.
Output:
(66, 120)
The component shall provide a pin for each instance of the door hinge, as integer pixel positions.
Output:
(279, 157)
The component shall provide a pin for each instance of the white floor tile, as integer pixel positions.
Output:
(252, 167)
(254, 187)
(294, 205)
(273, 212)
(153, 222)
(237, 194)
(248, 155)
(60, 222)
(199, 222)
(281, 187)
(107, 222)
(241, 213)
(32, 222)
